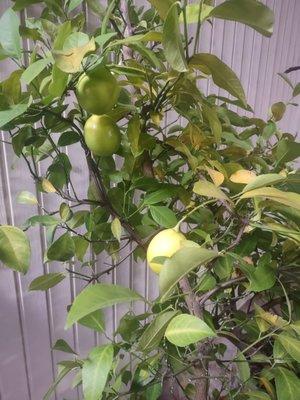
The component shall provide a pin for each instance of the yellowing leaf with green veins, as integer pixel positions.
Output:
(47, 186)
(216, 176)
(186, 329)
(243, 176)
(26, 198)
(70, 61)
(287, 198)
(14, 248)
(208, 189)
(116, 228)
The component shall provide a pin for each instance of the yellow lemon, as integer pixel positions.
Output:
(164, 244)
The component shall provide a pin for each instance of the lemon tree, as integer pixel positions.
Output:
(210, 201)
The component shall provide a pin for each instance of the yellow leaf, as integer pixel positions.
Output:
(216, 176)
(47, 186)
(70, 60)
(208, 189)
(243, 176)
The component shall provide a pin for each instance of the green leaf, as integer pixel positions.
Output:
(221, 74)
(62, 345)
(151, 36)
(155, 331)
(95, 371)
(70, 61)
(287, 198)
(208, 189)
(67, 367)
(214, 122)
(179, 265)
(99, 296)
(192, 12)
(287, 151)
(243, 367)
(133, 134)
(278, 110)
(116, 228)
(263, 180)
(158, 196)
(94, 320)
(287, 384)
(291, 345)
(257, 395)
(186, 329)
(81, 246)
(10, 38)
(249, 12)
(13, 112)
(46, 281)
(33, 70)
(73, 4)
(163, 216)
(296, 90)
(26, 198)
(62, 249)
(14, 248)
(172, 41)
(162, 6)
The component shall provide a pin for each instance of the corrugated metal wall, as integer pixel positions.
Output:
(31, 322)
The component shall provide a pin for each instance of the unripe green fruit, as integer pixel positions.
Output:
(102, 135)
(97, 91)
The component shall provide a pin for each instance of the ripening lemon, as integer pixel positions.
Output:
(97, 91)
(102, 135)
(164, 244)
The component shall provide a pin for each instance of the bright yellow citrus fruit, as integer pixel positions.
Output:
(164, 244)
(102, 135)
(97, 91)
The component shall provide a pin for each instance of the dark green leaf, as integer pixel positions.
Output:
(94, 320)
(62, 249)
(62, 345)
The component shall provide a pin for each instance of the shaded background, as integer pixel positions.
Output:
(30, 322)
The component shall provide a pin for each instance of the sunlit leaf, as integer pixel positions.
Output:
(243, 176)
(116, 228)
(186, 329)
(208, 189)
(99, 296)
(10, 38)
(262, 181)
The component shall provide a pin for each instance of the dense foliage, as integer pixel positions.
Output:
(226, 323)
